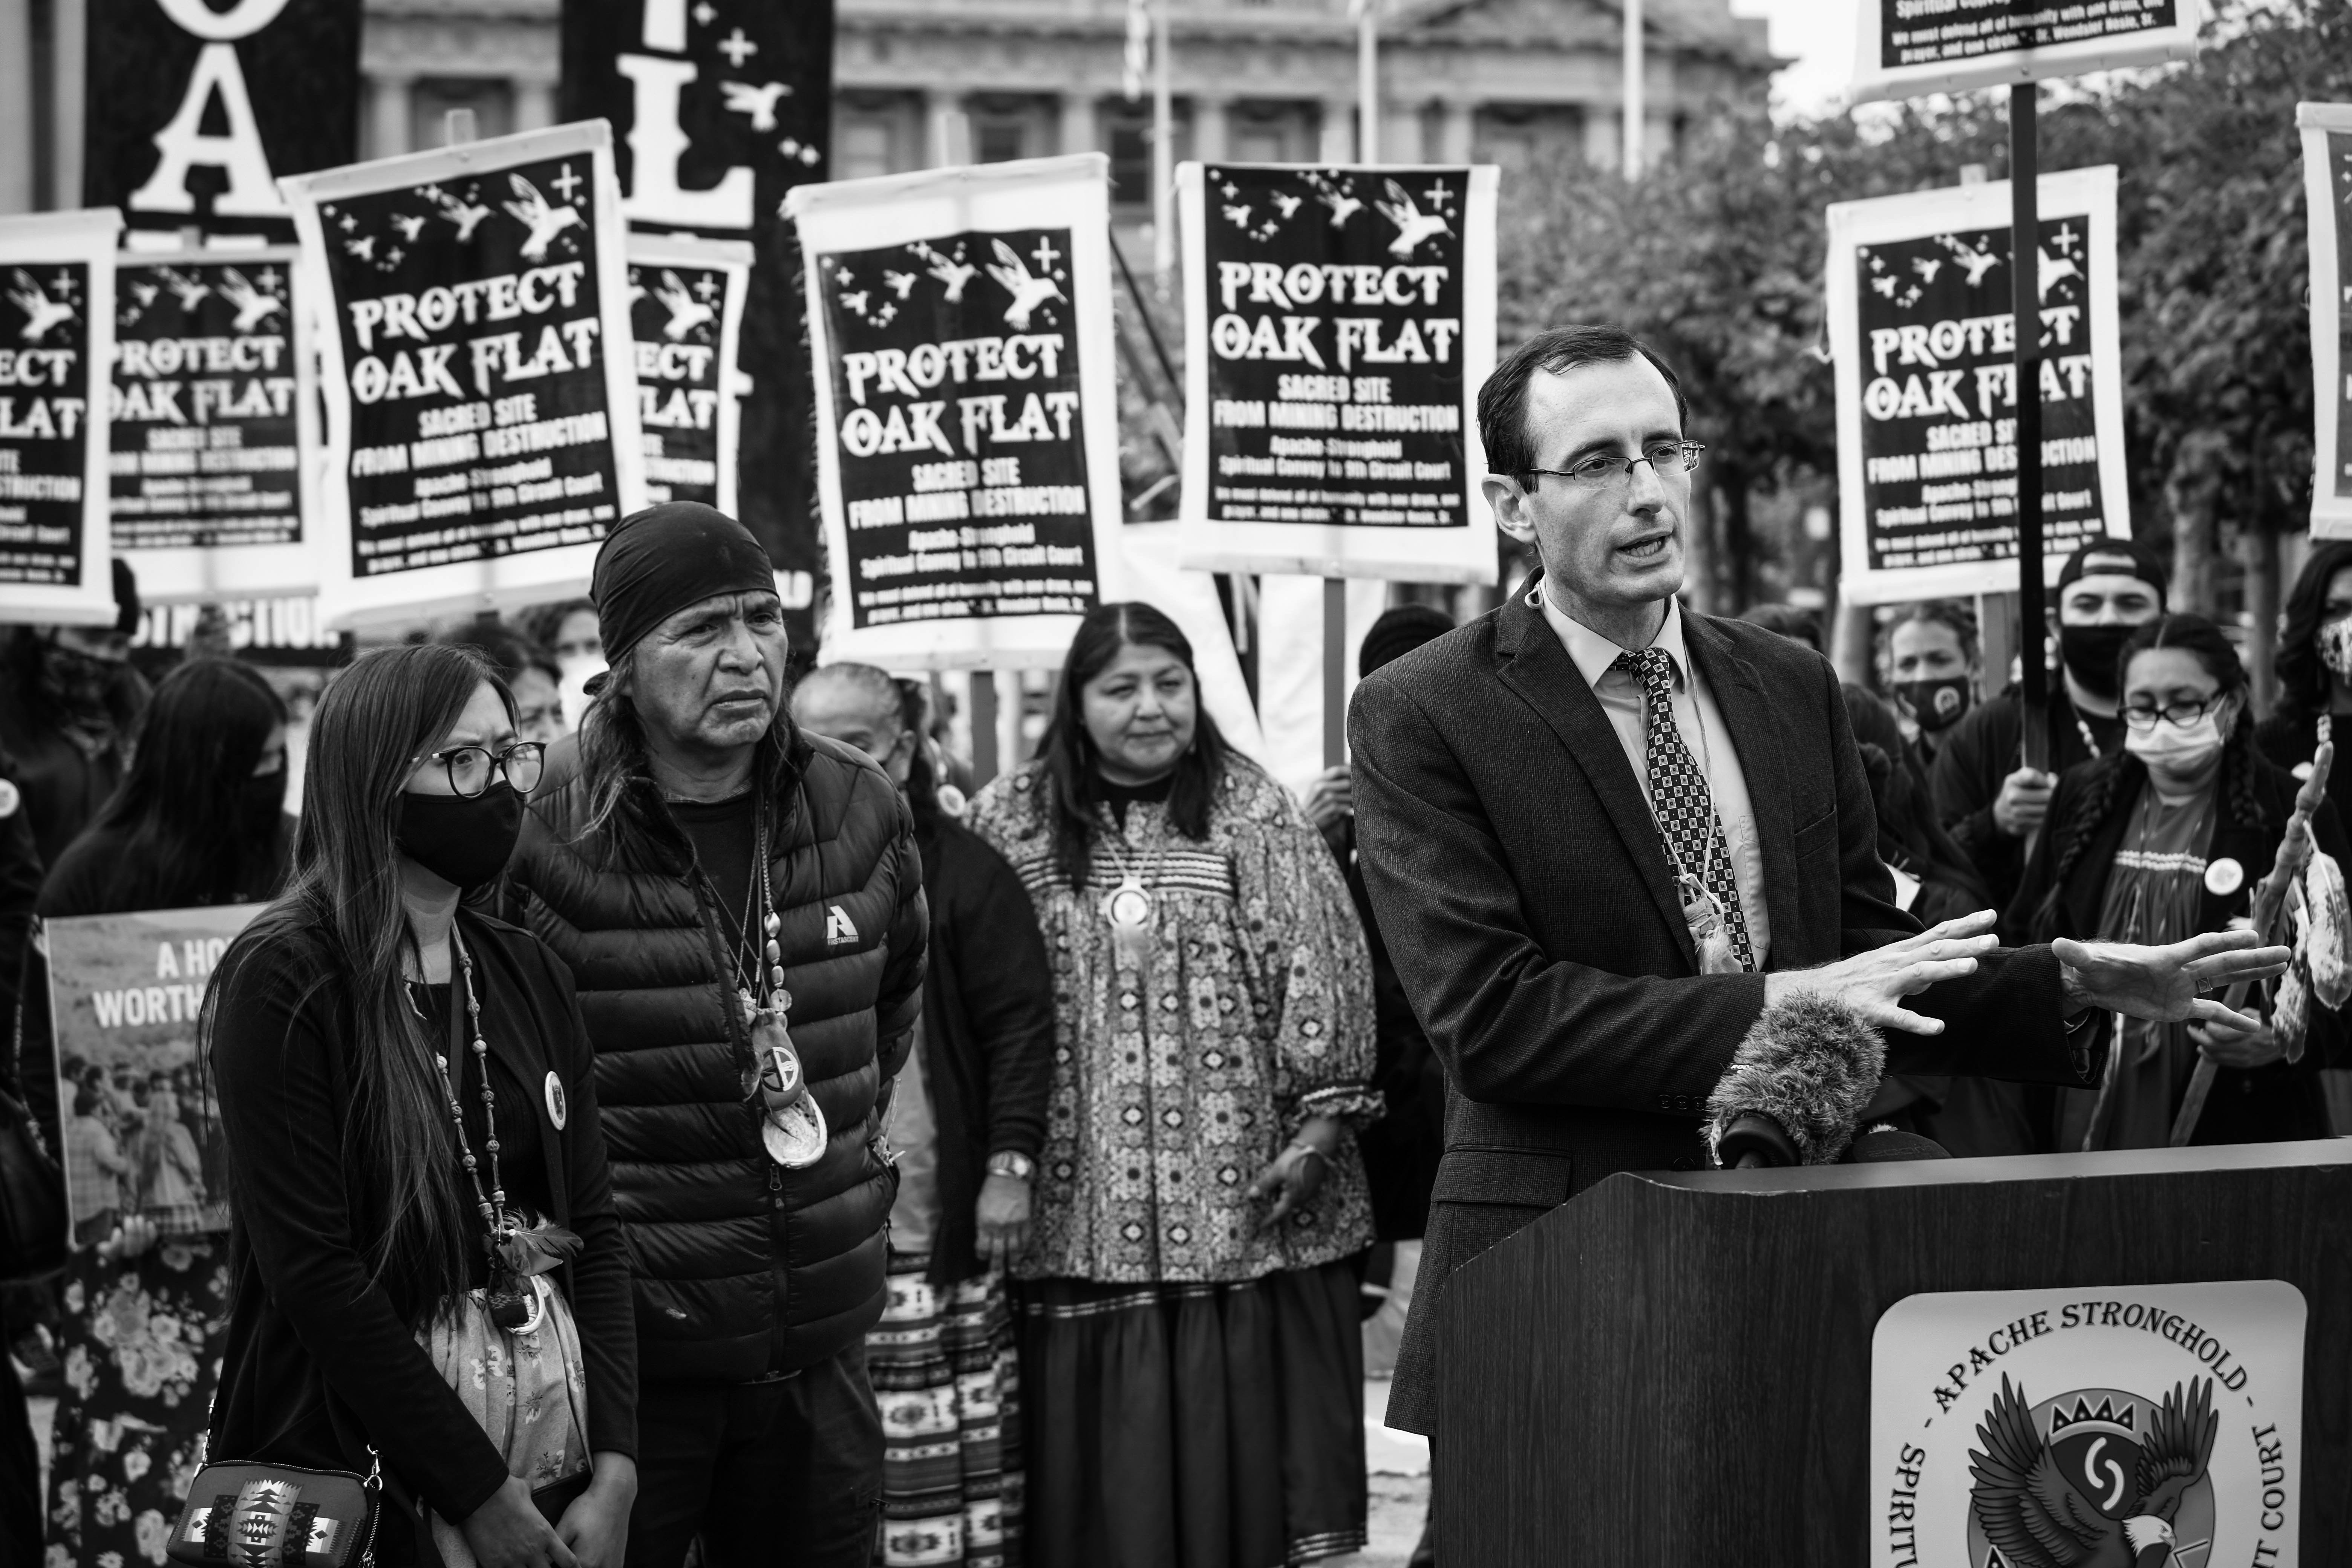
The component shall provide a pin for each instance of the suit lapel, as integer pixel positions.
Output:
(1763, 760)
(1531, 662)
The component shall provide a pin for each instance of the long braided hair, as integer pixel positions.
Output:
(2114, 778)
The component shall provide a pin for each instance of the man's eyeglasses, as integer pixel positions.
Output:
(469, 768)
(2183, 713)
(1667, 459)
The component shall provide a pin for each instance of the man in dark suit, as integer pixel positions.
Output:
(1602, 834)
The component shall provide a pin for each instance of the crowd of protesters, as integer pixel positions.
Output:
(877, 1173)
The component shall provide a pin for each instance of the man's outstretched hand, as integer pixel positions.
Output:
(2162, 984)
(1873, 983)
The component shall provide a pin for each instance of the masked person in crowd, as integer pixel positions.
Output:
(967, 1124)
(428, 1273)
(2314, 673)
(199, 820)
(2167, 840)
(68, 700)
(741, 904)
(531, 672)
(1932, 665)
(1992, 802)
(1604, 834)
(1190, 1346)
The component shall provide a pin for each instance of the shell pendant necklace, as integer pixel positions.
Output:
(793, 1128)
(1130, 908)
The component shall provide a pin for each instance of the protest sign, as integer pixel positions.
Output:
(475, 348)
(2326, 130)
(192, 110)
(967, 418)
(56, 335)
(1921, 328)
(215, 436)
(141, 1126)
(719, 107)
(1909, 48)
(1337, 323)
(685, 311)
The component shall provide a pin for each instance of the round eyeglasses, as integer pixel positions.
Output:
(470, 768)
(1667, 459)
(2183, 713)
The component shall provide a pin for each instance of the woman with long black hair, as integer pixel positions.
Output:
(2313, 663)
(2162, 841)
(198, 820)
(1190, 1363)
(418, 1188)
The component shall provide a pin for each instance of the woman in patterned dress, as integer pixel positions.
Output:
(1190, 1322)
(2166, 839)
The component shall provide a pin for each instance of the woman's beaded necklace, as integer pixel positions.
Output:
(514, 1303)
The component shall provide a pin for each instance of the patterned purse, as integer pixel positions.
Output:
(249, 1514)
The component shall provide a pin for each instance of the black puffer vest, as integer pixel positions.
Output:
(742, 1269)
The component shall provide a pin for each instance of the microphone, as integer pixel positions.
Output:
(1796, 1086)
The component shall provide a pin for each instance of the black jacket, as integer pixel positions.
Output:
(319, 1363)
(744, 1268)
(988, 1026)
(63, 784)
(1530, 909)
(1982, 749)
(20, 884)
(2260, 1105)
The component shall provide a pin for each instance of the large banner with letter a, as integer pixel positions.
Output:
(194, 111)
(717, 107)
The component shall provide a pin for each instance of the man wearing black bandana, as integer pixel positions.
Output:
(69, 702)
(1990, 802)
(741, 905)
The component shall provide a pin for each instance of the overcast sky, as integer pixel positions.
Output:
(1819, 34)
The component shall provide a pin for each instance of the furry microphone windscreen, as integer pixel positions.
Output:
(1810, 1063)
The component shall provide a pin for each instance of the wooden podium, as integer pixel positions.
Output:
(1675, 1369)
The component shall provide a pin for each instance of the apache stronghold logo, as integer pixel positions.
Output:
(2143, 1426)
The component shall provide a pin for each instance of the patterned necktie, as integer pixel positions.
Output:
(1679, 796)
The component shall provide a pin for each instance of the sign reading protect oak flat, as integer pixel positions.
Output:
(686, 308)
(2132, 1425)
(1905, 49)
(968, 450)
(1924, 336)
(481, 405)
(1338, 321)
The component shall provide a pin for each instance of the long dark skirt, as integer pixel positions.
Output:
(1193, 1425)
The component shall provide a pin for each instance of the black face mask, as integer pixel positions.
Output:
(78, 682)
(2090, 653)
(1936, 704)
(461, 841)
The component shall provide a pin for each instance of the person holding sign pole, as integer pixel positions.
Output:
(742, 905)
(1992, 802)
(429, 1279)
(1604, 834)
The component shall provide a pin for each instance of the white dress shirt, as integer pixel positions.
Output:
(1701, 723)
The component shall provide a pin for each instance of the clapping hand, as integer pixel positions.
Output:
(2165, 985)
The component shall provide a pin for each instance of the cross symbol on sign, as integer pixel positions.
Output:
(1046, 253)
(269, 279)
(707, 288)
(737, 47)
(2066, 236)
(1436, 194)
(567, 182)
(64, 285)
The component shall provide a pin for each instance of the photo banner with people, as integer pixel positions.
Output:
(685, 311)
(135, 1105)
(1910, 48)
(719, 108)
(2326, 132)
(192, 112)
(216, 425)
(57, 335)
(967, 409)
(1337, 323)
(482, 429)
(1923, 331)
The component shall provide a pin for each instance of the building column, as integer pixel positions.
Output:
(1453, 131)
(534, 105)
(947, 130)
(1209, 142)
(1339, 141)
(388, 116)
(1604, 138)
(1078, 132)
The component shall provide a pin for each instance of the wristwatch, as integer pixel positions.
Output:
(1018, 1167)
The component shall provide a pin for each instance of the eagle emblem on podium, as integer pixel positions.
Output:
(2094, 1479)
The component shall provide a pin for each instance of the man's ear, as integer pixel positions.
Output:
(1512, 514)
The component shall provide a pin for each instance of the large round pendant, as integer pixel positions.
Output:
(795, 1136)
(1129, 906)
